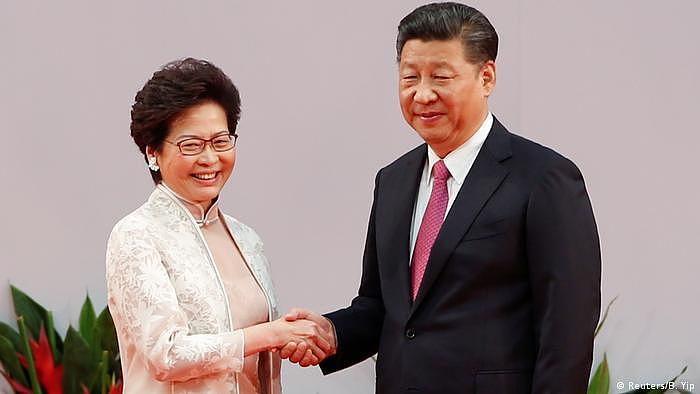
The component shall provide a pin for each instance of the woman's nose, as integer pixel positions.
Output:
(208, 155)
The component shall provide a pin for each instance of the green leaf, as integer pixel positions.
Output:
(79, 363)
(600, 384)
(103, 377)
(106, 339)
(34, 314)
(10, 334)
(679, 375)
(10, 362)
(87, 320)
(605, 317)
(33, 378)
(51, 335)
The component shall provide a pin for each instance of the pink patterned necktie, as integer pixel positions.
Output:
(430, 226)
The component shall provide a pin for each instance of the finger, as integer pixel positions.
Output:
(298, 354)
(315, 349)
(320, 338)
(288, 350)
(314, 360)
(323, 341)
(308, 359)
(296, 314)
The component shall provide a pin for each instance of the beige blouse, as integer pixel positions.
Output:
(245, 296)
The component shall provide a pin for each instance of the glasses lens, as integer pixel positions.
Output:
(191, 146)
(222, 143)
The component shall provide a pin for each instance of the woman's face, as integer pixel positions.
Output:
(198, 178)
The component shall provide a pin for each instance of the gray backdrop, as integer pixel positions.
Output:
(611, 84)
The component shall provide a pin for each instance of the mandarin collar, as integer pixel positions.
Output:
(197, 210)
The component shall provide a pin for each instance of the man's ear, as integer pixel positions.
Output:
(487, 74)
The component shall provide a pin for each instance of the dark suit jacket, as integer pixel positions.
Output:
(511, 295)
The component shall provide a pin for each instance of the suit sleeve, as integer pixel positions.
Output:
(564, 261)
(358, 327)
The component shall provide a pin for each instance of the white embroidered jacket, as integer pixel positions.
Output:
(169, 305)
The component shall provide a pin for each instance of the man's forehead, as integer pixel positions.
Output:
(431, 64)
(434, 52)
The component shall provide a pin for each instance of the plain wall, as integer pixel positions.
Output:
(611, 84)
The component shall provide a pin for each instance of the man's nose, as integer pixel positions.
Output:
(425, 93)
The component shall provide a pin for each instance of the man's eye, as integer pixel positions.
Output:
(409, 77)
(442, 77)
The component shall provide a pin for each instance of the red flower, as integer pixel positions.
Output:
(116, 388)
(50, 375)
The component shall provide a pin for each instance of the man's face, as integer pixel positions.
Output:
(443, 96)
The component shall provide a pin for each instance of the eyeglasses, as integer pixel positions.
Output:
(195, 146)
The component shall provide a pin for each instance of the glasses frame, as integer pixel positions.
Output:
(204, 145)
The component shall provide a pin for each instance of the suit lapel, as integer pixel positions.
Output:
(397, 207)
(482, 181)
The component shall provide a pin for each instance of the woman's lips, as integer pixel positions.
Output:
(207, 179)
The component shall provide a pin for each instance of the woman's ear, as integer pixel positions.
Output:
(152, 159)
(150, 152)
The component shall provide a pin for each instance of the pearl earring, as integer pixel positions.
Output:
(152, 164)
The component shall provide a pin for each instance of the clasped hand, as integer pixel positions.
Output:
(305, 337)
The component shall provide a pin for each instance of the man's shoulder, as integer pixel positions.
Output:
(533, 149)
(533, 160)
(524, 151)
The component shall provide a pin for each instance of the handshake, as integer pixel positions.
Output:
(304, 337)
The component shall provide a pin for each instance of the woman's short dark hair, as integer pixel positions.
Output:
(171, 90)
(447, 21)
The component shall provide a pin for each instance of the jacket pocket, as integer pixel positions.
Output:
(510, 381)
(487, 230)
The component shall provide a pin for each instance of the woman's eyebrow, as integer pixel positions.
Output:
(186, 136)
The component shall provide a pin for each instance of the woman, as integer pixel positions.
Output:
(189, 287)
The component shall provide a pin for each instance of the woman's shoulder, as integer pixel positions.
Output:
(138, 222)
(142, 218)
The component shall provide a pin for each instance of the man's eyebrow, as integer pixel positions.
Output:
(441, 63)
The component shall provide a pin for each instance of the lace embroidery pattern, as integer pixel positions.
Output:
(167, 303)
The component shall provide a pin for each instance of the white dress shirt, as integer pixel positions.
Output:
(458, 162)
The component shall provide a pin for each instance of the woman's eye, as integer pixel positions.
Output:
(190, 145)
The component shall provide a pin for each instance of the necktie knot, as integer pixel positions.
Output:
(440, 171)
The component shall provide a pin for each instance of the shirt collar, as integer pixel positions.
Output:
(459, 160)
(197, 210)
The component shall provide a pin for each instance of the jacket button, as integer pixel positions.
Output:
(410, 334)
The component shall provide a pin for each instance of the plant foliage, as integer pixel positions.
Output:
(36, 360)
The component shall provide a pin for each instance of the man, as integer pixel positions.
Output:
(481, 271)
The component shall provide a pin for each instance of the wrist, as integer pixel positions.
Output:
(276, 337)
(330, 329)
